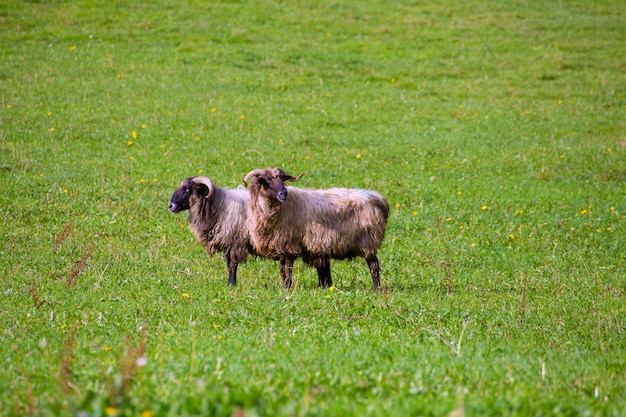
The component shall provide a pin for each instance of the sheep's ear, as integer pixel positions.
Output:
(288, 177)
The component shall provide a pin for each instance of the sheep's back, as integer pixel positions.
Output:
(338, 223)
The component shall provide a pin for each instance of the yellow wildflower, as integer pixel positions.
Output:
(111, 411)
(185, 295)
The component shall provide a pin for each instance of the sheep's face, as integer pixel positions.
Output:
(180, 198)
(272, 183)
(194, 187)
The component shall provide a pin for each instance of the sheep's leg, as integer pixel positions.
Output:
(232, 271)
(372, 262)
(282, 270)
(231, 264)
(323, 274)
(286, 268)
(232, 274)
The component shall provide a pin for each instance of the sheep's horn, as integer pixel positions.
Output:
(294, 179)
(253, 173)
(206, 181)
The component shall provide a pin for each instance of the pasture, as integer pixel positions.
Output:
(496, 131)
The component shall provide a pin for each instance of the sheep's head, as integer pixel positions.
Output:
(190, 188)
(271, 182)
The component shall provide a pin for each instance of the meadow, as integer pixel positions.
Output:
(496, 131)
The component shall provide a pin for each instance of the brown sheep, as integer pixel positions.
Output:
(218, 218)
(318, 225)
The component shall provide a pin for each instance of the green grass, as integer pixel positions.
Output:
(496, 130)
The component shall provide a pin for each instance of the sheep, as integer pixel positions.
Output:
(318, 225)
(218, 218)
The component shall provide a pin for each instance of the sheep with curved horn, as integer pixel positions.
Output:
(317, 225)
(218, 218)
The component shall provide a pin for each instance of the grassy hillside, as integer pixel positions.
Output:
(496, 131)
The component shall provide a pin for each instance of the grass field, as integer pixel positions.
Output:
(496, 131)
